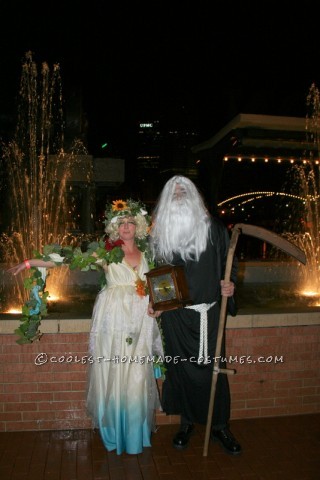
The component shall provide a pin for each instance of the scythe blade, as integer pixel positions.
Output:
(273, 239)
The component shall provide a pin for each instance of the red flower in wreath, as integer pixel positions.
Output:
(111, 245)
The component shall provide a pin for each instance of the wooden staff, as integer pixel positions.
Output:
(267, 236)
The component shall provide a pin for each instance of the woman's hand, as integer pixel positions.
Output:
(153, 313)
(17, 268)
(33, 262)
(227, 288)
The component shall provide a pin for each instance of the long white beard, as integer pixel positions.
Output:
(183, 230)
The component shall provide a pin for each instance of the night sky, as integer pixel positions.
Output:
(200, 61)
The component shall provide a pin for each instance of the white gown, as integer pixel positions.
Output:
(122, 392)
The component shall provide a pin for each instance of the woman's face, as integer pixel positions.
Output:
(127, 228)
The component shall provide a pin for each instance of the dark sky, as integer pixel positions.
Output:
(163, 59)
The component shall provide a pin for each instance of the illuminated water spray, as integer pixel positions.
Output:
(305, 216)
(36, 169)
(300, 201)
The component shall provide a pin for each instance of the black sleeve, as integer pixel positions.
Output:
(232, 307)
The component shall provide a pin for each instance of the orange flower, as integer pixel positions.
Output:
(149, 228)
(119, 205)
(141, 287)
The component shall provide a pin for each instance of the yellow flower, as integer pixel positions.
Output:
(119, 205)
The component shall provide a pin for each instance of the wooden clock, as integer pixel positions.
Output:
(168, 288)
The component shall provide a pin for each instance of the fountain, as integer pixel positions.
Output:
(277, 280)
(36, 169)
(278, 283)
(304, 224)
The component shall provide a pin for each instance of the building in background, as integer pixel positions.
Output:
(93, 184)
(252, 153)
(162, 149)
(242, 170)
(248, 173)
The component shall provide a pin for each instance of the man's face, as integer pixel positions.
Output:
(179, 192)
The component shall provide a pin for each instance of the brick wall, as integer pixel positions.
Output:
(43, 397)
(271, 387)
(52, 395)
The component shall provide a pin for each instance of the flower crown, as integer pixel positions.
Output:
(127, 208)
(124, 208)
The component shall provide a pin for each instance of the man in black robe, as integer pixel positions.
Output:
(184, 233)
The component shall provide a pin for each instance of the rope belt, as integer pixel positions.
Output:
(202, 308)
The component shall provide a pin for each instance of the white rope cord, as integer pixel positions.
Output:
(202, 308)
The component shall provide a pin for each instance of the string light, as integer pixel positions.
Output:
(264, 194)
(269, 159)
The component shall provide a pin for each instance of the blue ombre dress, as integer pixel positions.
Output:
(122, 392)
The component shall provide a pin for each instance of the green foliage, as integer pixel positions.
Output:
(28, 331)
(93, 258)
(143, 246)
(158, 360)
(35, 308)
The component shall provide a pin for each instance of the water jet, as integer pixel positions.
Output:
(36, 170)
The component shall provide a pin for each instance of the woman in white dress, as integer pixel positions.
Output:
(122, 390)
(122, 393)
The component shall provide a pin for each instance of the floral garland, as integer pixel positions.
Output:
(35, 308)
(97, 253)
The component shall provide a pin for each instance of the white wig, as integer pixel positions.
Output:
(181, 221)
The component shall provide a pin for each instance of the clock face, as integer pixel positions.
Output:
(163, 288)
(168, 287)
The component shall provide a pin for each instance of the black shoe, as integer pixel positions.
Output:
(226, 440)
(181, 439)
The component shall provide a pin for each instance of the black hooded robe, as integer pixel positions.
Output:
(186, 388)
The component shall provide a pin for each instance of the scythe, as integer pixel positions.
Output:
(267, 236)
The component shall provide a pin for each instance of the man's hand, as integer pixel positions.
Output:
(227, 288)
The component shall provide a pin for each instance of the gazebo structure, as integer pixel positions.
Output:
(252, 153)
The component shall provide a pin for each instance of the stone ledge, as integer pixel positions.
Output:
(249, 320)
(277, 319)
